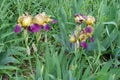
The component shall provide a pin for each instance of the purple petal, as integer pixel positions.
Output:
(54, 21)
(46, 27)
(34, 28)
(88, 29)
(81, 18)
(80, 21)
(17, 28)
(84, 44)
(91, 39)
(85, 17)
(71, 45)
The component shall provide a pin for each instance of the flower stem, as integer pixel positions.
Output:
(26, 37)
(26, 41)
(38, 36)
(45, 38)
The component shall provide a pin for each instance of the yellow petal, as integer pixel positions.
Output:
(72, 39)
(26, 21)
(82, 37)
(90, 20)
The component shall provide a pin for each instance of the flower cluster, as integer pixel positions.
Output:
(34, 24)
(80, 34)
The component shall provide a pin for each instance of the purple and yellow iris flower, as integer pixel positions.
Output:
(40, 21)
(82, 35)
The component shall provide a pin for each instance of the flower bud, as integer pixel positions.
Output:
(72, 39)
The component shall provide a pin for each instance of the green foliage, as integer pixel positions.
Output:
(55, 59)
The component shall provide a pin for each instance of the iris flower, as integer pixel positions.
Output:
(79, 18)
(25, 22)
(81, 36)
(90, 20)
(40, 21)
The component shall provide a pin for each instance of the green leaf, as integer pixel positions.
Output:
(111, 23)
(8, 68)
(86, 73)
(106, 67)
(7, 60)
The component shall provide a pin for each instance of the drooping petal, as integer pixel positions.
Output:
(83, 44)
(88, 29)
(91, 39)
(34, 28)
(54, 21)
(17, 28)
(46, 27)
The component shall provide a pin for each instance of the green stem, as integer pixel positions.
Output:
(38, 37)
(30, 64)
(45, 38)
(26, 41)
(26, 37)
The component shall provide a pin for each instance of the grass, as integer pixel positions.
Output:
(55, 59)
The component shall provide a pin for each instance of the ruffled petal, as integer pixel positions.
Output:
(84, 44)
(34, 28)
(17, 28)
